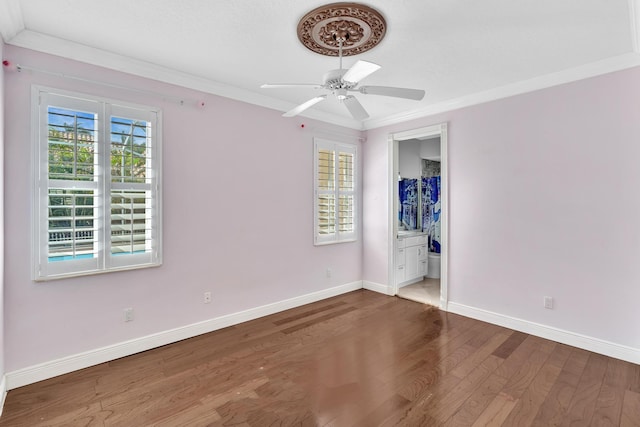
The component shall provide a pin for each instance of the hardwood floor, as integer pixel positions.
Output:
(361, 359)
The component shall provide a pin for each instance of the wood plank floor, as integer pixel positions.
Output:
(360, 359)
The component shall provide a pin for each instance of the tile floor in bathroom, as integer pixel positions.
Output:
(427, 291)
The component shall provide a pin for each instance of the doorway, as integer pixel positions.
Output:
(407, 282)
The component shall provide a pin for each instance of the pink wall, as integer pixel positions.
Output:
(238, 221)
(2, 322)
(544, 200)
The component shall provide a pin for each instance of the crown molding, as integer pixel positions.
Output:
(634, 24)
(67, 49)
(11, 22)
(605, 66)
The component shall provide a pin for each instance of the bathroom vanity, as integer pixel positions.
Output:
(411, 257)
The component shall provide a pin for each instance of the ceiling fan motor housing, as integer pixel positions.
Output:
(333, 80)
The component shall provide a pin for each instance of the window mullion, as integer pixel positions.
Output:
(104, 180)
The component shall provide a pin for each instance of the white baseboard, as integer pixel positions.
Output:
(64, 365)
(596, 345)
(3, 392)
(377, 287)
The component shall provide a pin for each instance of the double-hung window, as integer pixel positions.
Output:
(334, 192)
(97, 204)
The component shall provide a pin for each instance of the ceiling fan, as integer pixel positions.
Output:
(340, 82)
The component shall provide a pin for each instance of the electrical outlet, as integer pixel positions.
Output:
(128, 314)
(207, 297)
(328, 272)
(548, 302)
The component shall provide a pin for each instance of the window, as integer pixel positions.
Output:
(335, 192)
(97, 205)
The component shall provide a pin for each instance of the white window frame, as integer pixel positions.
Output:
(337, 236)
(102, 261)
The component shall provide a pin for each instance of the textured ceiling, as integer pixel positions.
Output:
(452, 49)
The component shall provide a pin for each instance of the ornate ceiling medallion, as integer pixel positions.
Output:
(359, 27)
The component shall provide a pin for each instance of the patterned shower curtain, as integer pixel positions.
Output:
(408, 208)
(431, 211)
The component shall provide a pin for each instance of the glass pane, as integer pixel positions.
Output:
(130, 150)
(326, 214)
(72, 220)
(345, 214)
(72, 137)
(130, 222)
(326, 169)
(345, 169)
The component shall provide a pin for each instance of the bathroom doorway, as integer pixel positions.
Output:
(419, 229)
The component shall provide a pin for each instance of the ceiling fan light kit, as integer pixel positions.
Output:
(344, 29)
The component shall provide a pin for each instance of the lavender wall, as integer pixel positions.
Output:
(238, 221)
(544, 200)
(2, 322)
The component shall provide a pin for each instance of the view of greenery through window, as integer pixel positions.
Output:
(73, 155)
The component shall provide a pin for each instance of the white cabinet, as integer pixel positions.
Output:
(411, 258)
(422, 260)
(400, 265)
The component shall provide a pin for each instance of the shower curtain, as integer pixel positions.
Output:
(431, 211)
(408, 208)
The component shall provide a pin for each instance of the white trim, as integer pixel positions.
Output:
(593, 69)
(444, 217)
(79, 52)
(392, 205)
(377, 287)
(11, 21)
(336, 192)
(393, 140)
(67, 364)
(66, 49)
(596, 345)
(427, 132)
(3, 392)
(634, 23)
(102, 186)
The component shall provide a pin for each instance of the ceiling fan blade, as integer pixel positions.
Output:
(291, 86)
(355, 108)
(300, 108)
(398, 92)
(359, 71)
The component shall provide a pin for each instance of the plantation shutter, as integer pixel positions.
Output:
(345, 192)
(68, 181)
(97, 201)
(334, 193)
(133, 217)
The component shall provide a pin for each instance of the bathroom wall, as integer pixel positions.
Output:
(430, 148)
(409, 162)
(2, 143)
(431, 168)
